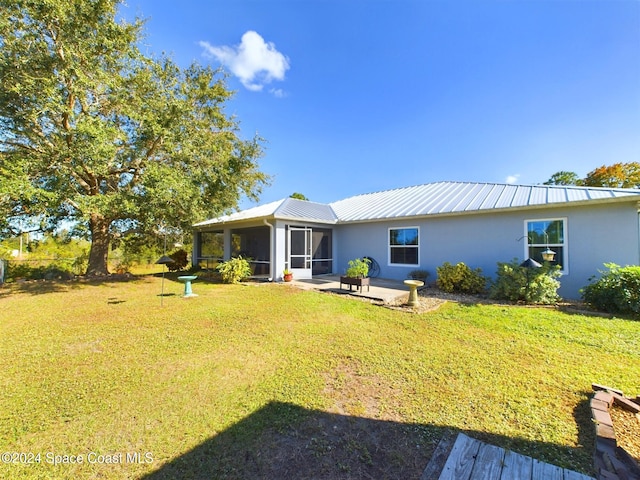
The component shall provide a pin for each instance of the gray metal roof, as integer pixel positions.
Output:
(440, 198)
(287, 208)
(459, 197)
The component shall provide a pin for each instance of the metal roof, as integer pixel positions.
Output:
(459, 197)
(287, 208)
(440, 198)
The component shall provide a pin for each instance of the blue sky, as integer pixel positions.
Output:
(358, 96)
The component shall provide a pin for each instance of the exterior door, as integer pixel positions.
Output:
(300, 251)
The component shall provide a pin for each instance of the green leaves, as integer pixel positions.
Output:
(530, 285)
(234, 270)
(460, 278)
(616, 291)
(91, 128)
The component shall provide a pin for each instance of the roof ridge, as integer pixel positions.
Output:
(286, 199)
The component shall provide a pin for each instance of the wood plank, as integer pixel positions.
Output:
(461, 459)
(489, 461)
(545, 471)
(517, 466)
(439, 457)
(571, 475)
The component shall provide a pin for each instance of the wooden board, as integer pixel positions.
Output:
(545, 471)
(471, 459)
(489, 463)
(461, 459)
(516, 466)
(571, 475)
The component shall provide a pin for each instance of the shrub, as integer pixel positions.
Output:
(358, 268)
(53, 271)
(530, 285)
(234, 270)
(180, 260)
(616, 291)
(460, 278)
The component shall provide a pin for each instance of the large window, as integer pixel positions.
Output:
(547, 234)
(404, 245)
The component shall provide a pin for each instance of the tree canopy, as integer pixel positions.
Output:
(618, 175)
(298, 196)
(93, 131)
(564, 178)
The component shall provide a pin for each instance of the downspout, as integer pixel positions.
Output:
(271, 252)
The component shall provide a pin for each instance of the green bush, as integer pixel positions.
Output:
(234, 270)
(53, 271)
(460, 278)
(358, 268)
(616, 291)
(530, 285)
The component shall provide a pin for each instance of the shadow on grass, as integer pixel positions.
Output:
(38, 287)
(41, 287)
(586, 427)
(283, 440)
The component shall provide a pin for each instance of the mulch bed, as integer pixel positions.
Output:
(627, 427)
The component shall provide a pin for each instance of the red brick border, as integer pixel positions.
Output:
(611, 461)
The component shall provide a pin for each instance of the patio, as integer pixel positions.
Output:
(381, 289)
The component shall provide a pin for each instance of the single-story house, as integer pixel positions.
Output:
(421, 227)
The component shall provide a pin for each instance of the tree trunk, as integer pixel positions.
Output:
(99, 251)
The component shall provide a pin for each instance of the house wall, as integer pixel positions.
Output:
(594, 236)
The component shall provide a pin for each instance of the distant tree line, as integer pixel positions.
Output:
(618, 175)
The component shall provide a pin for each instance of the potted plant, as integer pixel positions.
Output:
(357, 274)
(287, 275)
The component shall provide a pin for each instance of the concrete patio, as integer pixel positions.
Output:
(381, 289)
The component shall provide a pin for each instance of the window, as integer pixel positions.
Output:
(548, 233)
(404, 244)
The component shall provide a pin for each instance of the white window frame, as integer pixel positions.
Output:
(564, 245)
(389, 246)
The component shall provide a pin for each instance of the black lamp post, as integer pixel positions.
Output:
(529, 264)
(163, 260)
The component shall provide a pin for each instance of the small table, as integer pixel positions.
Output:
(187, 279)
(413, 291)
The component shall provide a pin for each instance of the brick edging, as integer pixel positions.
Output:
(611, 461)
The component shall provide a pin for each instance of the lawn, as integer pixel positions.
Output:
(99, 380)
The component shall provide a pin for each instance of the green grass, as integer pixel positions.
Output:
(251, 370)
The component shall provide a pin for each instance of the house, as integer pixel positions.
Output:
(423, 226)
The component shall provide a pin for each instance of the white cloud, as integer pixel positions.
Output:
(254, 61)
(513, 178)
(278, 92)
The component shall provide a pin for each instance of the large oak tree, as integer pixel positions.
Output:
(95, 132)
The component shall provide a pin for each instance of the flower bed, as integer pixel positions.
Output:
(612, 460)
